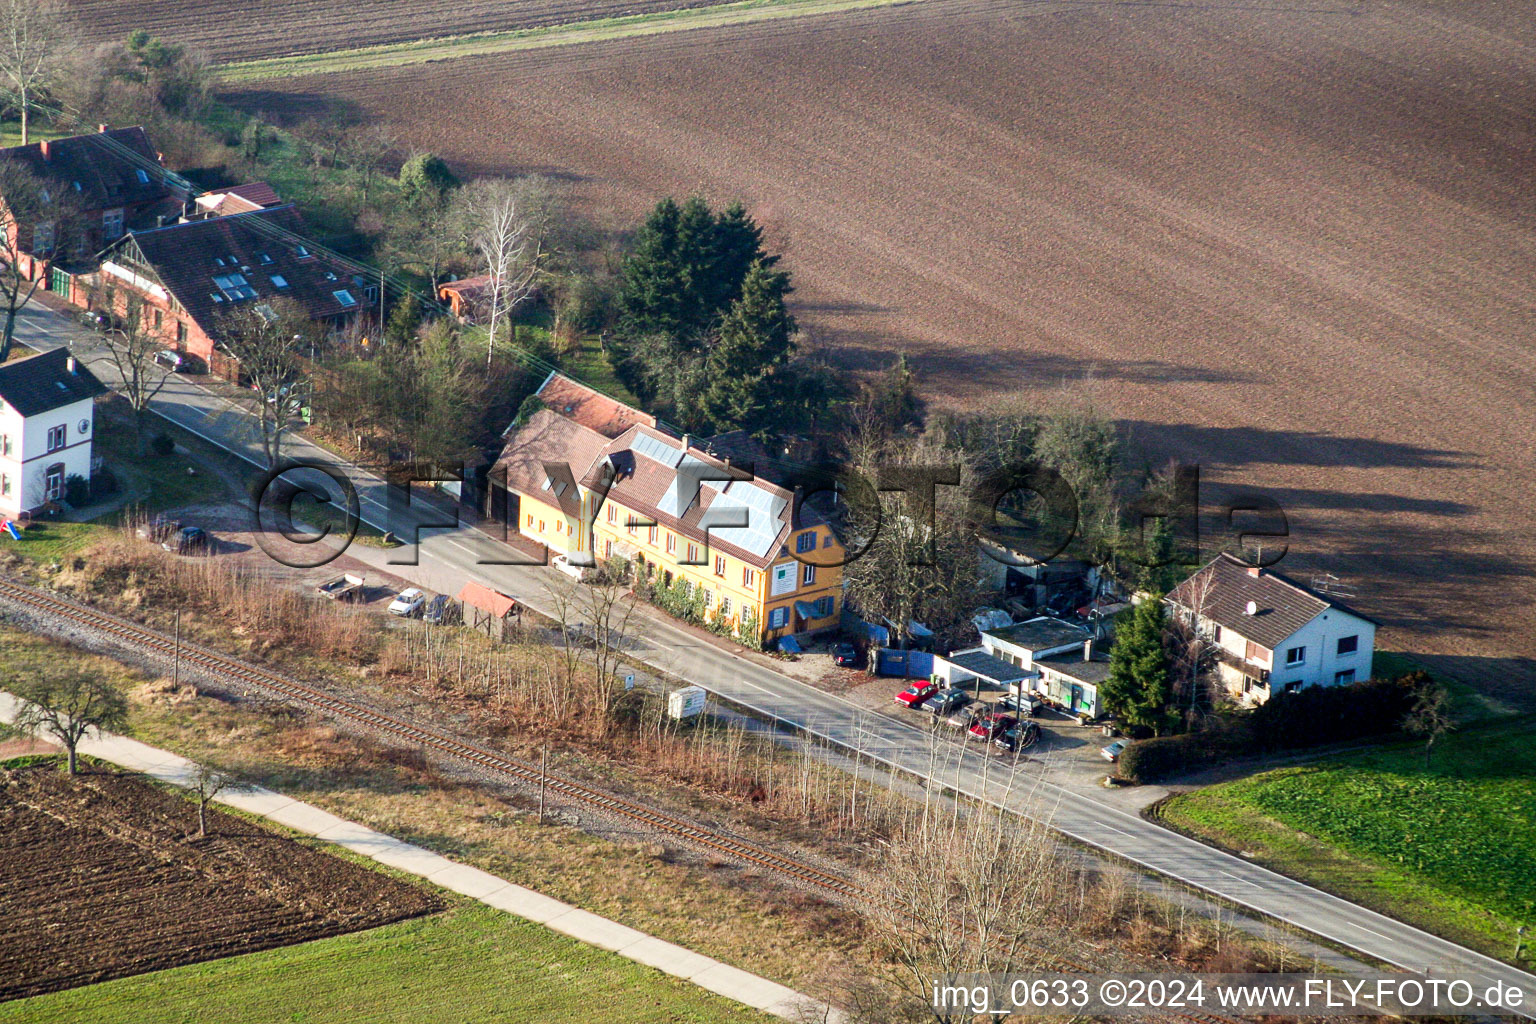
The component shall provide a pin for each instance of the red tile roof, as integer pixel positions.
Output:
(591, 408)
(492, 602)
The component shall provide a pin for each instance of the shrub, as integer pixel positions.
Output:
(77, 490)
(162, 445)
(103, 483)
(1317, 715)
(1159, 758)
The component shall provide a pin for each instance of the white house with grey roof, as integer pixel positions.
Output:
(47, 424)
(1272, 634)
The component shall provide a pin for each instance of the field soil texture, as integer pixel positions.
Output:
(104, 875)
(1292, 244)
(227, 31)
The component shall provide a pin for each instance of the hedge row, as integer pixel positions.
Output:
(1287, 721)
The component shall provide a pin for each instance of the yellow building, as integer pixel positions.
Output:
(592, 479)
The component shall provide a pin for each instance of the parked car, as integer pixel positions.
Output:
(1023, 703)
(178, 362)
(914, 695)
(1017, 737)
(408, 602)
(965, 717)
(845, 655)
(441, 611)
(1114, 750)
(99, 320)
(158, 529)
(945, 701)
(188, 540)
(990, 725)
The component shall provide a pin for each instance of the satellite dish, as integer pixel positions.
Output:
(1253, 608)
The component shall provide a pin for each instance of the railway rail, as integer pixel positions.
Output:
(460, 750)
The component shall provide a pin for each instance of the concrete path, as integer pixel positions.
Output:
(722, 979)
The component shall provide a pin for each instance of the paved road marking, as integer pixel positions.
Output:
(1115, 830)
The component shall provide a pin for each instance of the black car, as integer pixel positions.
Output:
(189, 540)
(442, 610)
(845, 656)
(98, 320)
(942, 703)
(1021, 735)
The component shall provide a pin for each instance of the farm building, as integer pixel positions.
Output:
(1272, 634)
(188, 275)
(47, 424)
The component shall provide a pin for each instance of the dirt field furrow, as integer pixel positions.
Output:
(1295, 245)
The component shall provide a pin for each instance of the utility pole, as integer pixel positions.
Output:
(176, 656)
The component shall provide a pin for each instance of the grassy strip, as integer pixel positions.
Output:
(423, 51)
(1445, 848)
(501, 969)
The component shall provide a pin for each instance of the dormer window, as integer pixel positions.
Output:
(300, 252)
(218, 261)
(264, 258)
(330, 276)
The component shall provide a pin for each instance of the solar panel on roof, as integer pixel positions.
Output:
(760, 509)
(657, 450)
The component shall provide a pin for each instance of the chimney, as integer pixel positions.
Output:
(103, 128)
(1087, 650)
(687, 442)
(1254, 571)
(42, 147)
(69, 363)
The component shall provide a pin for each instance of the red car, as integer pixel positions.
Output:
(991, 725)
(915, 694)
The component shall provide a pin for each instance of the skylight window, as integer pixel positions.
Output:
(279, 281)
(345, 298)
(143, 177)
(300, 251)
(218, 261)
(235, 287)
(264, 258)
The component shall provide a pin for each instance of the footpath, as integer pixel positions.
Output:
(722, 979)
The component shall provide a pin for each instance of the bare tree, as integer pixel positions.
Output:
(505, 223)
(1430, 716)
(1194, 644)
(33, 225)
(37, 39)
(132, 351)
(965, 892)
(364, 148)
(208, 782)
(267, 338)
(920, 561)
(67, 707)
(609, 596)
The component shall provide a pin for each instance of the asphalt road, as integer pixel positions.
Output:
(447, 558)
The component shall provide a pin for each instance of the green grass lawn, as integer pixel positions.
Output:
(1451, 848)
(470, 963)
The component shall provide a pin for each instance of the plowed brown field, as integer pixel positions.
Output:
(1292, 242)
(103, 876)
(233, 30)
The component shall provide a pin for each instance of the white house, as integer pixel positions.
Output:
(1024, 643)
(47, 424)
(1272, 634)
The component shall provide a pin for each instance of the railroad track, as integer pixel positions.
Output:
(479, 757)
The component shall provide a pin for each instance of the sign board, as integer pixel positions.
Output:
(687, 702)
(629, 681)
